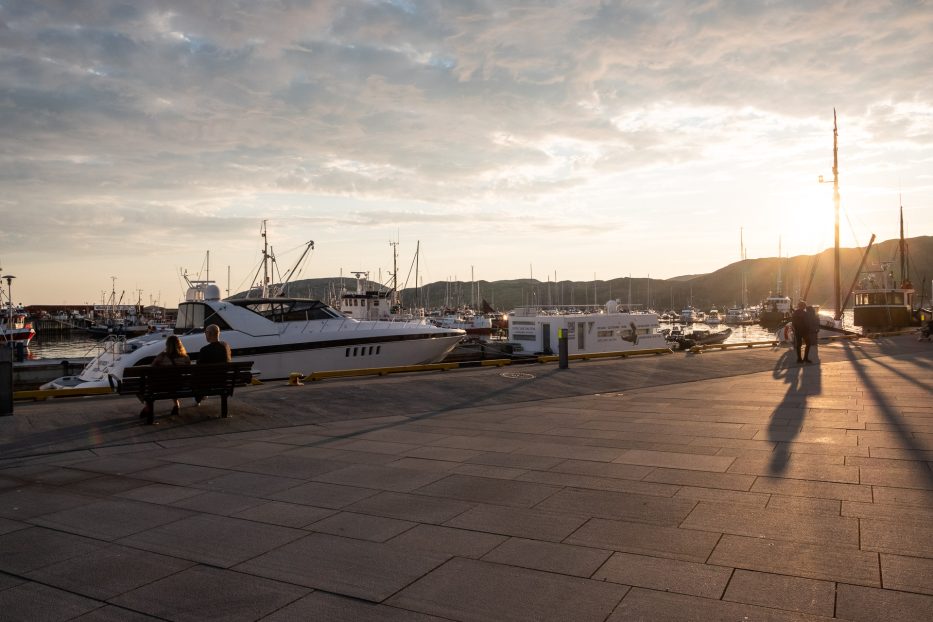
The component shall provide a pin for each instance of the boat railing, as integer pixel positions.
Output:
(537, 310)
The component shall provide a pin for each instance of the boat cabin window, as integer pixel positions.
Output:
(195, 316)
(292, 310)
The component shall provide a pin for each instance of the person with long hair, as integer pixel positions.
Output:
(173, 355)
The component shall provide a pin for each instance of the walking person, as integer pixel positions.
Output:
(798, 320)
(813, 334)
(173, 355)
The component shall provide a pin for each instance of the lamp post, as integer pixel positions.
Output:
(9, 291)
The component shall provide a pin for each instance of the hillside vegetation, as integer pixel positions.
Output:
(721, 288)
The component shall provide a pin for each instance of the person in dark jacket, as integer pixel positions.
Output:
(798, 320)
(813, 332)
(216, 351)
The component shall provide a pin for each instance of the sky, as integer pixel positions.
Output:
(568, 139)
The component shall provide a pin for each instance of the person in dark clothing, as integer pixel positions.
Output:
(173, 356)
(799, 321)
(216, 351)
(813, 332)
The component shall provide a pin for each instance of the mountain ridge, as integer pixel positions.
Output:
(720, 288)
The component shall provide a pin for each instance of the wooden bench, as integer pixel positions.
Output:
(163, 383)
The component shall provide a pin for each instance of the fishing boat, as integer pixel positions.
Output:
(589, 330)
(280, 334)
(775, 309)
(15, 328)
(882, 301)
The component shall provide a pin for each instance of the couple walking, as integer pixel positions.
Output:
(806, 329)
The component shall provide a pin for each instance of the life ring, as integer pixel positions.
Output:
(786, 333)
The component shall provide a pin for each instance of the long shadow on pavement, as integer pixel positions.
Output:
(890, 412)
(787, 418)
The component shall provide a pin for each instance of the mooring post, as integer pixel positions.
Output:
(6, 380)
(562, 358)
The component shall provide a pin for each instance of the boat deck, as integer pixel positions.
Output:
(724, 485)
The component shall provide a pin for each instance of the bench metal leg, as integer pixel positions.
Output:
(223, 405)
(150, 418)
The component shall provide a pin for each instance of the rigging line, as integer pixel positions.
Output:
(410, 269)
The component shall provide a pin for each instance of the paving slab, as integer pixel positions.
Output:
(448, 541)
(109, 571)
(202, 593)
(473, 590)
(371, 571)
(783, 592)
(668, 575)
(215, 540)
(521, 522)
(333, 608)
(859, 603)
(34, 602)
(642, 604)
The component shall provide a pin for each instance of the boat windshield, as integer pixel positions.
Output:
(287, 310)
(197, 315)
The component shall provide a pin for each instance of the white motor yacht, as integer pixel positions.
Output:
(281, 335)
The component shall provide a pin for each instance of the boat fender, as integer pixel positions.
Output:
(114, 382)
(787, 333)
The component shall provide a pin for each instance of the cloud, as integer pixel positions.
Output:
(173, 113)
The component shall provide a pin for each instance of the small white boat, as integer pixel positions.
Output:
(689, 316)
(713, 318)
(599, 329)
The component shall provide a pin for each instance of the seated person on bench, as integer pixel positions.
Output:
(216, 351)
(173, 355)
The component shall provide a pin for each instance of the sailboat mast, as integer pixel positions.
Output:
(395, 296)
(837, 289)
(902, 251)
(265, 261)
(418, 302)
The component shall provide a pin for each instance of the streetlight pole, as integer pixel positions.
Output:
(9, 292)
(836, 287)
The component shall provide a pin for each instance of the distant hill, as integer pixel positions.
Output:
(721, 288)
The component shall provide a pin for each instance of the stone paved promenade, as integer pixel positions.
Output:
(722, 486)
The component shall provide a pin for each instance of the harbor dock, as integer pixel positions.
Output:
(727, 485)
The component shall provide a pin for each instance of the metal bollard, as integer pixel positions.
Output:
(563, 360)
(6, 380)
